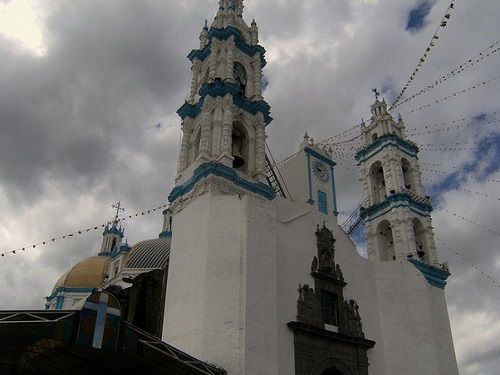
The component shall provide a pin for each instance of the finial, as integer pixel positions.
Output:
(400, 118)
(254, 23)
(377, 93)
(206, 25)
(119, 208)
(306, 136)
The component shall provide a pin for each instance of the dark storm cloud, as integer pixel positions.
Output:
(77, 125)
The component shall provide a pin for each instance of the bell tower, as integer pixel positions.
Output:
(222, 214)
(224, 118)
(397, 214)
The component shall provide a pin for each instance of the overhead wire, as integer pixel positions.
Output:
(469, 220)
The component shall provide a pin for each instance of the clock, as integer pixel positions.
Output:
(320, 171)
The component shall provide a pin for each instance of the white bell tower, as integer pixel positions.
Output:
(222, 211)
(397, 218)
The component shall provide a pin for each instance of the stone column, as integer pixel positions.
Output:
(257, 75)
(206, 128)
(260, 146)
(227, 131)
(186, 139)
(230, 59)
(431, 243)
(213, 60)
(196, 69)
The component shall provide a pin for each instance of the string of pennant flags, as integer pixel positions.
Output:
(453, 167)
(455, 94)
(470, 221)
(448, 172)
(434, 182)
(465, 260)
(425, 56)
(456, 125)
(80, 232)
(484, 54)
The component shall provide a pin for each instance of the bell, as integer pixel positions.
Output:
(238, 161)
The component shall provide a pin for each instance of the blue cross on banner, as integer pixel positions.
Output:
(100, 322)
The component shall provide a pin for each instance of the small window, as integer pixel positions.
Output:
(323, 202)
(329, 305)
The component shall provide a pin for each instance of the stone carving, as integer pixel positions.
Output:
(353, 320)
(314, 265)
(306, 305)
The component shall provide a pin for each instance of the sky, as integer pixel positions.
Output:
(88, 97)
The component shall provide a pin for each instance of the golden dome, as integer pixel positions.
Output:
(89, 273)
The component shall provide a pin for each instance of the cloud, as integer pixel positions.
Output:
(75, 124)
(416, 17)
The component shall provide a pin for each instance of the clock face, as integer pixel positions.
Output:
(321, 171)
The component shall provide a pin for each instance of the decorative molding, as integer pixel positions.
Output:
(393, 201)
(435, 276)
(317, 155)
(221, 89)
(384, 141)
(220, 170)
(225, 34)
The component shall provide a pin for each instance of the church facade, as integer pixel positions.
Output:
(261, 277)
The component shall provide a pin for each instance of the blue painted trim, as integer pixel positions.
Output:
(434, 276)
(224, 34)
(165, 234)
(394, 201)
(323, 202)
(317, 155)
(59, 302)
(334, 192)
(384, 141)
(310, 200)
(63, 289)
(223, 171)
(219, 88)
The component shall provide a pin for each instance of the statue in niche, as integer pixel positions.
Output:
(314, 265)
(326, 249)
(326, 263)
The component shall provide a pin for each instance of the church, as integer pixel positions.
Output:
(252, 273)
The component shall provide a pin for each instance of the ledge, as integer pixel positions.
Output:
(393, 201)
(225, 172)
(435, 276)
(334, 336)
(224, 34)
(221, 89)
(384, 141)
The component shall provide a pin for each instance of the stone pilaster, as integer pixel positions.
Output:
(257, 75)
(230, 44)
(186, 139)
(260, 146)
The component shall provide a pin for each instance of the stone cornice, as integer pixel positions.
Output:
(384, 141)
(220, 170)
(394, 201)
(240, 43)
(221, 89)
(435, 276)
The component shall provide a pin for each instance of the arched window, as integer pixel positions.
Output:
(420, 240)
(377, 180)
(408, 175)
(385, 242)
(240, 147)
(240, 76)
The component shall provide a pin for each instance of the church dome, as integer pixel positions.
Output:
(88, 273)
(151, 254)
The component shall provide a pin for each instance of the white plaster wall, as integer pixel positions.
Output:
(221, 291)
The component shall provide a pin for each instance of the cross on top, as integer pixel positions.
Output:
(377, 93)
(119, 208)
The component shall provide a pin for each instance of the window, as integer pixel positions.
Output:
(323, 202)
(329, 306)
